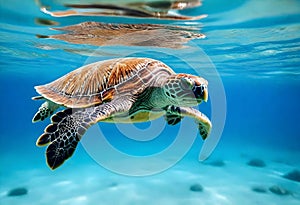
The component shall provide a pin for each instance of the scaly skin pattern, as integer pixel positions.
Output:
(120, 90)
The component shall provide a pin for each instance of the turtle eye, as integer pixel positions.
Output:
(187, 83)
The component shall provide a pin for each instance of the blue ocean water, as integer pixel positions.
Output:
(251, 47)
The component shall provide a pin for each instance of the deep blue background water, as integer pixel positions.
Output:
(254, 45)
(262, 91)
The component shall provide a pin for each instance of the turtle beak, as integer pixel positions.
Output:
(205, 95)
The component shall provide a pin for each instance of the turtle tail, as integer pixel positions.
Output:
(46, 109)
(63, 135)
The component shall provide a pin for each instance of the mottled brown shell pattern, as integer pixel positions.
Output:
(99, 82)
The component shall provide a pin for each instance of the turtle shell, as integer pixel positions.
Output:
(100, 82)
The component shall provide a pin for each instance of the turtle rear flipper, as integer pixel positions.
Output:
(38, 98)
(46, 109)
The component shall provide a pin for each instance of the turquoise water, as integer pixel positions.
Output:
(251, 50)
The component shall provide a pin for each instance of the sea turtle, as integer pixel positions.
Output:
(122, 90)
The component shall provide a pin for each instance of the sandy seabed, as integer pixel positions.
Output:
(221, 180)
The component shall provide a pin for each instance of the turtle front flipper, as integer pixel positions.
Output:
(63, 134)
(67, 128)
(173, 115)
(204, 123)
(45, 110)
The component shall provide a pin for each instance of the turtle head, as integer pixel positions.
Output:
(186, 90)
